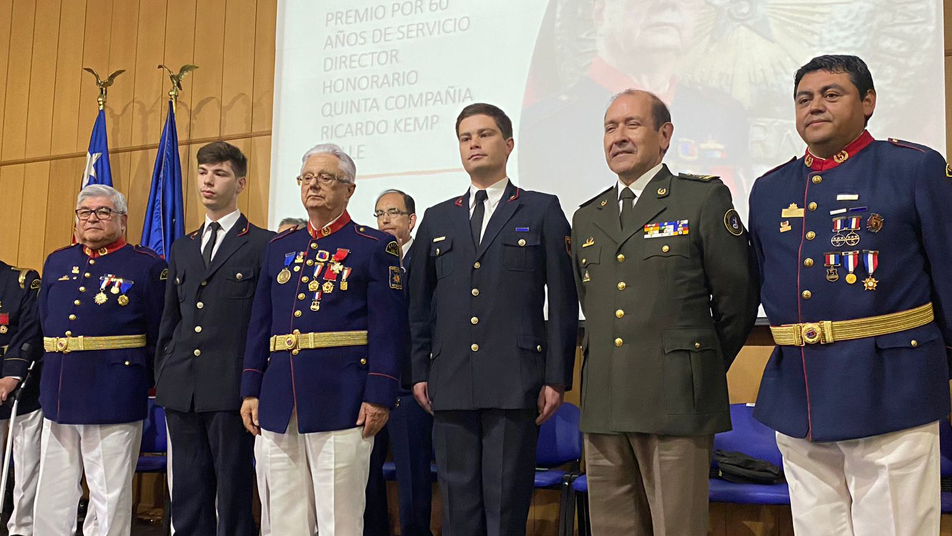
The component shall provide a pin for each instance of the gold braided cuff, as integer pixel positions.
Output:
(311, 341)
(82, 343)
(827, 332)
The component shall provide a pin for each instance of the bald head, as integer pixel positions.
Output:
(659, 110)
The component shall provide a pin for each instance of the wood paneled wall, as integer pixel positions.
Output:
(48, 104)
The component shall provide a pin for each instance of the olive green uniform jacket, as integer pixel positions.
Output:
(667, 307)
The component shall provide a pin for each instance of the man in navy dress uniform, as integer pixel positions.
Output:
(410, 429)
(212, 279)
(854, 243)
(21, 343)
(100, 305)
(326, 339)
(484, 360)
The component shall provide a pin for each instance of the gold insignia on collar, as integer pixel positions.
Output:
(662, 191)
(393, 248)
(603, 203)
(948, 170)
(35, 284)
(164, 275)
(841, 157)
(808, 160)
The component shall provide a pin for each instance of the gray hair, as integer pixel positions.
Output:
(292, 221)
(346, 163)
(101, 190)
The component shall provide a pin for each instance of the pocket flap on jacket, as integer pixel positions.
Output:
(442, 246)
(692, 339)
(528, 342)
(240, 273)
(910, 338)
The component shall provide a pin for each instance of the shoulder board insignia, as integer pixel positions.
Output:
(146, 251)
(692, 177)
(361, 230)
(393, 248)
(283, 234)
(792, 159)
(22, 278)
(592, 200)
(906, 144)
(164, 275)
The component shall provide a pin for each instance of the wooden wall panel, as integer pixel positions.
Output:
(48, 104)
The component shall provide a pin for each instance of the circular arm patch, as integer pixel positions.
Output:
(733, 223)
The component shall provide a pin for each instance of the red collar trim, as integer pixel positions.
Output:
(615, 81)
(96, 253)
(816, 163)
(328, 230)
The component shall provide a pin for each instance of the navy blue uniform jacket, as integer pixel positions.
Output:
(850, 389)
(476, 314)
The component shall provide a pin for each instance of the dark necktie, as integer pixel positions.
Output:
(627, 209)
(210, 246)
(479, 211)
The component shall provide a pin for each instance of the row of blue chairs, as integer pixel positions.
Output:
(559, 454)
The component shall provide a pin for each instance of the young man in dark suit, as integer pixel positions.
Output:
(212, 276)
(484, 361)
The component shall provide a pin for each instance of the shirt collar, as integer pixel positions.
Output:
(106, 250)
(332, 227)
(639, 185)
(816, 163)
(406, 246)
(494, 192)
(227, 221)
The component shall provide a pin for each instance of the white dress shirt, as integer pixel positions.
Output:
(227, 222)
(405, 248)
(494, 194)
(638, 186)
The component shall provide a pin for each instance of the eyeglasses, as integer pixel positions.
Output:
(102, 213)
(392, 212)
(325, 179)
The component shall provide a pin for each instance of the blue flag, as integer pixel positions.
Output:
(165, 214)
(97, 169)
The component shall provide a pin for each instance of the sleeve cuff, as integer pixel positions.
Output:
(381, 389)
(251, 383)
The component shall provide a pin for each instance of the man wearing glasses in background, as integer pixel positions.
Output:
(410, 428)
(100, 305)
(325, 343)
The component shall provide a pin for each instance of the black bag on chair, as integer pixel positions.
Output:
(740, 468)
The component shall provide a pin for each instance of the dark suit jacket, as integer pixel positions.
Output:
(406, 385)
(476, 314)
(203, 332)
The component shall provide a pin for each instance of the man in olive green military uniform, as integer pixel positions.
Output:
(667, 285)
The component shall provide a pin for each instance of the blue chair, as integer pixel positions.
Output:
(153, 454)
(945, 450)
(558, 458)
(580, 491)
(754, 439)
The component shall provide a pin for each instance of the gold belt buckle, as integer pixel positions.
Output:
(62, 344)
(812, 333)
(291, 341)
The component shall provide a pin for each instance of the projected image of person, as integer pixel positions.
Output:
(641, 45)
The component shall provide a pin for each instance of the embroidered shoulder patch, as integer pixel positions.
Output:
(396, 278)
(393, 248)
(732, 223)
(164, 275)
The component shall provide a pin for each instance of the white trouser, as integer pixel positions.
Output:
(331, 466)
(264, 494)
(26, 467)
(107, 453)
(885, 485)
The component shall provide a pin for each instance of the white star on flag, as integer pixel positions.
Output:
(90, 171)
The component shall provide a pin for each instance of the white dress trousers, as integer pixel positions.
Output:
(26, 467)
(885, 485)
(107, 455)
(320, 475)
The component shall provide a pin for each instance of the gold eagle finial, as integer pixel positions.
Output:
(103, 84)
(177, 79)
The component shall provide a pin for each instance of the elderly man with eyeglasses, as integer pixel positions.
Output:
(100, 304)
(326, 338)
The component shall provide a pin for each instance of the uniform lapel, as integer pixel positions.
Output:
(236, 237)
(607, 217)
(461, 221)
(195, 248)
(651, 203)
(507, 207)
